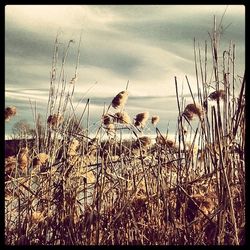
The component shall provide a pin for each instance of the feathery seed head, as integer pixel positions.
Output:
(191, 110)
(54, 120)
(165, 142)
(42, 157)
(217, 95)
(110, 128)
(120, 99)
(73, 145)
(106, 119)
(122, 117)
(155, 119)
(9, 112)
(141, 119)
(144, 140)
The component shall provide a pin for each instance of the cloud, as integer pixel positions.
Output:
(146, 44)
(146, 40)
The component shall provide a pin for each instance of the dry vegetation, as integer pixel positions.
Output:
(70, 189)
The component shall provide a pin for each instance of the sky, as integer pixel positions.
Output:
(147, 45)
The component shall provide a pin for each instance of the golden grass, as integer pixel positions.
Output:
(95, 191)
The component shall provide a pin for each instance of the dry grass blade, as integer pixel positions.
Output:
(113, 183)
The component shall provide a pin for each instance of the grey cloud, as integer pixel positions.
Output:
(27, 45)
(114, 60)
(160, 32)
(145, 44)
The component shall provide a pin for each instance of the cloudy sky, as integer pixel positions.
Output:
(146, 44)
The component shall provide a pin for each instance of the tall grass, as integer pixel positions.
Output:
(70, 189)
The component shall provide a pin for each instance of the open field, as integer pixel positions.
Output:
(122, 187)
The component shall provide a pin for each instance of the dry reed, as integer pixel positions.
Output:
(9, 112)
(217, 95)
(141, 119)
(40, 159)
(73, 146)
(155, 119)
(10, 164)
(145, 141)
(110, 128)
(191, 110)
(106, 119)
(54, 120)
(165, 142)
(120, 99)
(122, 117)
(134, 191)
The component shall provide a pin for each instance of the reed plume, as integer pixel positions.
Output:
(73, 145)
(40, 159)
(9, 112)
(141, 119)
(145, 141)
(110, 128)
(54, 120)
(217, 95)
(191, 110)
(106, 119)
(155, 119)
(120, 99)
(165, 142)
(122, 117)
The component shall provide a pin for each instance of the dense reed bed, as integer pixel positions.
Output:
(72, 188)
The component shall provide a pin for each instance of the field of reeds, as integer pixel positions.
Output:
(73, 188)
